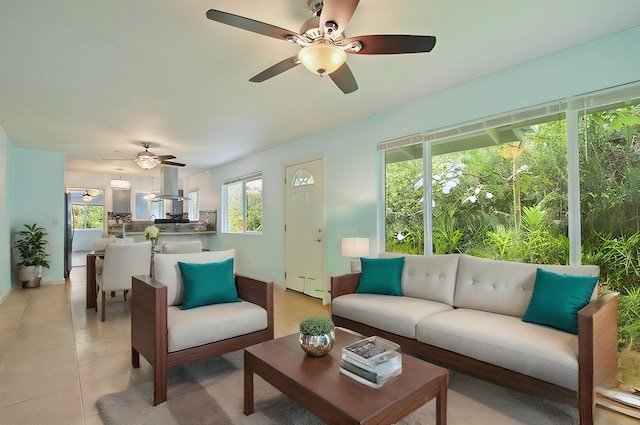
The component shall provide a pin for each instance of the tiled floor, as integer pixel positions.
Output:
(57, 358)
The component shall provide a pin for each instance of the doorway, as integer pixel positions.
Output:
(304, 228)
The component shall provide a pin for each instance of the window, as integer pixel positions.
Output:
(242, 205)
(145, 208)
(556, 183)
(87, 214)
(194, 205)
(303, 178)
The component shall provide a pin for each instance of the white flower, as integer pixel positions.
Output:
(489, 195)
(151, 232)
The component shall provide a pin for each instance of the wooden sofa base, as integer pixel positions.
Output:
(597, 353)
(149, 329)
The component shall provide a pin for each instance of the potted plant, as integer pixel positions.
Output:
(32, 254)
(317, 335)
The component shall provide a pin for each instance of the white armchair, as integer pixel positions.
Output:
(184, 247)
(121, 262)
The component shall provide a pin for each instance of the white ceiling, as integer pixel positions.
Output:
(90, 77)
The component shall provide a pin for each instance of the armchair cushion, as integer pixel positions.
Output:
(557, 298)
(208, 283)
(212, 323)
(166, 270)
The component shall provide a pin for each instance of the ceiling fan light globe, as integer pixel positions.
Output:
(146, 161)
(322, 58)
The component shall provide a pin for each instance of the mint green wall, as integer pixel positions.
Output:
(5, 196)
(38, 197)
(351, 170)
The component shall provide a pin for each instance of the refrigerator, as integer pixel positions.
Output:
(68, 234)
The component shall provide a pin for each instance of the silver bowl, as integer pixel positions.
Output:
(317, 345)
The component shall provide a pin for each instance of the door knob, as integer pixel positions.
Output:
(318, 240)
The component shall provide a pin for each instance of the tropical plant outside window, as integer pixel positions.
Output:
(86, 214)
(243, 205)
(509, 200)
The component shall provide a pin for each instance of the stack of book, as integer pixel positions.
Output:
(372, 361)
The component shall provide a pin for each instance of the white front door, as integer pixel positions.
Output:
(304, 228)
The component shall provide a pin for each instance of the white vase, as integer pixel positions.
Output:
(30, 276)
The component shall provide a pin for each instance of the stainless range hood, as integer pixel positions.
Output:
(169, 187)
(170, 194)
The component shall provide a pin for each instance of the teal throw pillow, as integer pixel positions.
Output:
(557, 298)
(208, 283)
(381, 276)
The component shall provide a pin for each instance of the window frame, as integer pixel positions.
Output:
(225, 203)
(438, 138)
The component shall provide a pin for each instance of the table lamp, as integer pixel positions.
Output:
(355, 248)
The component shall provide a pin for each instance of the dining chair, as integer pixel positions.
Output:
(184, 247)
(98, 245)
(121, 262)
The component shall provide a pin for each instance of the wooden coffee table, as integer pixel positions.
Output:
(316, 383)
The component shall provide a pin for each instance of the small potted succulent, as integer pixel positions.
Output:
(32, 254)
(317, 335)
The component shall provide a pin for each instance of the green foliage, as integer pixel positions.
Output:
(403, 210)
(31, 246)
(446, 235)
(316, 326)
(629, 318)
(87, 216)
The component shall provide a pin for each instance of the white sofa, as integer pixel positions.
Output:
(466, 312)
(167, 336)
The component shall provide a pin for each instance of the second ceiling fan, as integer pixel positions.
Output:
(323, 42)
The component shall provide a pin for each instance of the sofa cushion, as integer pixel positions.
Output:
(208, 283)
(503, 287)
(430, 277)
(212, 323)
(538, 351)
(381, 276)
(397, 315)
(166, 271)
(557, 298)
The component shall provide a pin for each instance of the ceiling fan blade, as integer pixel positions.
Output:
(125, 153)
(163, 157)
(391, 44)
(339, 12)
(276, 69)
(177, 164)
(344, 79)
(250, 25)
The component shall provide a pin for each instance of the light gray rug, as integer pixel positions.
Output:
(211, 392)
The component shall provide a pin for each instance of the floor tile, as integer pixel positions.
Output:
(60, 408)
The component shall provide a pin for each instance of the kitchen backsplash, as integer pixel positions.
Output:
(208, 222)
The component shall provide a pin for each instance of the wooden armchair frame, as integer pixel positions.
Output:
(149, 328)
(597, 352)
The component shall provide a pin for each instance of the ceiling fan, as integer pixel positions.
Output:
(323, 41)
(147, 160)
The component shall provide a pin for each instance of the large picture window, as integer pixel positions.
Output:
(242, 205)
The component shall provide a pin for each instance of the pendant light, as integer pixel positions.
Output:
(120, 184)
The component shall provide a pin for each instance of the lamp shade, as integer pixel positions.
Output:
(322, 58)
(355, 247)
(120, 184)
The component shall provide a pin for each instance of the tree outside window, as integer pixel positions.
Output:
(243, 205)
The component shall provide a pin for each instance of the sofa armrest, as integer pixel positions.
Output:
(257, 292)
(344, 284)
(149, 319)
(598, 349)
